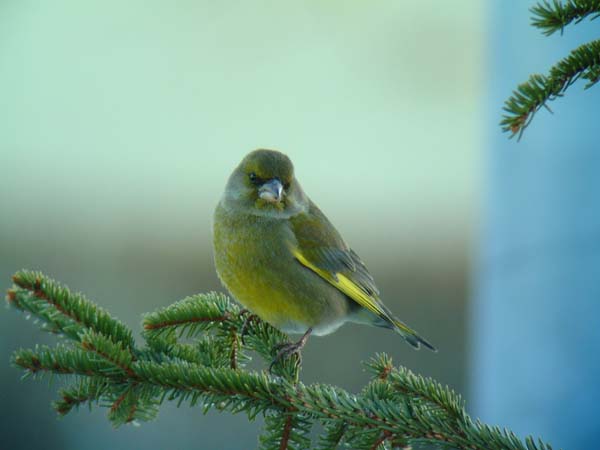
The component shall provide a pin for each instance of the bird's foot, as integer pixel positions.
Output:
(290, 348)
(249, 318)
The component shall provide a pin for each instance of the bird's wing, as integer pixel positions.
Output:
(320, 248)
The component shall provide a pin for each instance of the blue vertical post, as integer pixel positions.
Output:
(536, 312)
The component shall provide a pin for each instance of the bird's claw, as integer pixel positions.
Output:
(244, 329)
(287, 349)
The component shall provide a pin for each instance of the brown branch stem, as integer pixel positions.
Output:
(174, 323)
(285, 436)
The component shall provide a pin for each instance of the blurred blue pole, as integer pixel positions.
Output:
(536, 314)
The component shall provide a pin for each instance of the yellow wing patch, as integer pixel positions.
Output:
(344, 284)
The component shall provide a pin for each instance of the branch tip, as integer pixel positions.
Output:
(11, 296)
(16, 278)
(33, 365)
(118, 402)
(385, 372)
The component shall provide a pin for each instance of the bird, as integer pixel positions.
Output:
(281, 258)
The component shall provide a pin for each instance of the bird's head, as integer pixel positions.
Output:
(264, 184)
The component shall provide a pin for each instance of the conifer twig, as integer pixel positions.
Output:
(582, 63)
(529, 97)
(106, 368)
(554, 16)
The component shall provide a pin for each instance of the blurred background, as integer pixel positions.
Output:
(121, 121)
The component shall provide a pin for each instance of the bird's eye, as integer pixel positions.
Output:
(286, 186)
(254, 179)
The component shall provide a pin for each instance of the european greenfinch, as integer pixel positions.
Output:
(281, 258)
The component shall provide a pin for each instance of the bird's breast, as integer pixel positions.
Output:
(254, 261)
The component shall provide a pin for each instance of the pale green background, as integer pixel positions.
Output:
(120, 122)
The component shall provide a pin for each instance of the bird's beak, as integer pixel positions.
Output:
(271, 191)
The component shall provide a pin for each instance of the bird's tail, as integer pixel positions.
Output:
(387, 320)
(410, 335)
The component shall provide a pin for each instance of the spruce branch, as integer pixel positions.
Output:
(103, 367)
(62, 311)
(529, 97)
(582, 63)
(554, 16)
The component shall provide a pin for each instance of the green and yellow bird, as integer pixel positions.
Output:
(281, 258)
